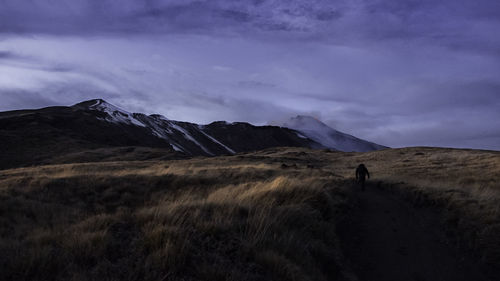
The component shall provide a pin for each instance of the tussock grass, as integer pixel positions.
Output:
(226, 218)
(462, 184)
(268, 215)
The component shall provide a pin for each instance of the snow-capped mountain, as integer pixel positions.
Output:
(96, 130)
(217, 138)
(36, 135)
(316, 130)
(182, 136)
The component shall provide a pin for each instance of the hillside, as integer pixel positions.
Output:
(31, 137)
(93, 128)
(279, 214)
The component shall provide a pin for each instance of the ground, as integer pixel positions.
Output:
(280, 214)
(388, 238)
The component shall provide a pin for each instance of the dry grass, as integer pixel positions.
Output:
(258, 216)
(226, 218)
(462, 184)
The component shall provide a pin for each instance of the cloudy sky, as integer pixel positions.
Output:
(400, 72)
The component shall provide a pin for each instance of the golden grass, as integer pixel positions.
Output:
(227, 218)
(258, 216)
(462, 184)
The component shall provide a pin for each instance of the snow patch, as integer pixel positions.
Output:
(301, 135)
(177, 148)
(160, 131)
(116, 114)
(96, 103)
(189, 137)
(216, 141)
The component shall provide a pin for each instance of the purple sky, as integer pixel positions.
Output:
(399, 73)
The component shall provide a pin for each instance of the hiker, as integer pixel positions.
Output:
(361, 173)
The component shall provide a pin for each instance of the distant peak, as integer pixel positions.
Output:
(303, 122)
(114, 113)
(90, 103)
(318, 131)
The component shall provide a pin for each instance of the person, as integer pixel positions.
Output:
(361, 173)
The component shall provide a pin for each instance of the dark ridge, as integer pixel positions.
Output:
(32, 137)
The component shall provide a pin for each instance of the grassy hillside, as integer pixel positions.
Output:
(462, 184)
(259, 216)
(226, 218)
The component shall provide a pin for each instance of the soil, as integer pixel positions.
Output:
(386, 238)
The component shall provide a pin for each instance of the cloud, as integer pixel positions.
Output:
(455, 114)
(459, 25)
(7, 55)
(255, 84)
(396, 72)
(57, 94)
(12, 56)
(22, 99)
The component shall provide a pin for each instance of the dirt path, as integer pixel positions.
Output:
(387, 239)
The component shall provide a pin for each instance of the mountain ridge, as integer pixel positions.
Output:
(33, 136)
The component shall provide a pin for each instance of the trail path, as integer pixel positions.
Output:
(388, 239)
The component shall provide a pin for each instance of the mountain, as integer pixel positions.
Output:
(37, 136)
(316, 130)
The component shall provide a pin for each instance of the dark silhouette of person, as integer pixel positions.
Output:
(361, 173)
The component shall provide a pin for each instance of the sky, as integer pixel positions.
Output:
(398, 73)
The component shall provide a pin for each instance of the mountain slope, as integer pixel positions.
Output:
(32, 136)
(217, 138)
(318, 131)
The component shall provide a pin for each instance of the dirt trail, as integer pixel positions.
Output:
(387, 238)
